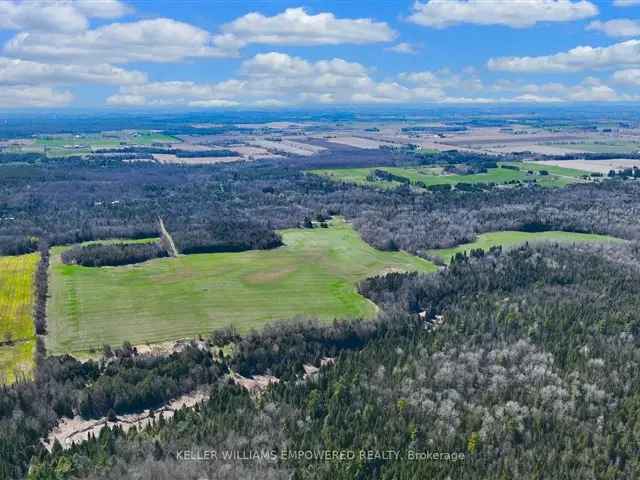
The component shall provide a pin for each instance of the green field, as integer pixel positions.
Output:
(508, 239)
(17, 331)
(429, 175)
(313, 275)
(602, 147)
(71, 145)
(17, 358)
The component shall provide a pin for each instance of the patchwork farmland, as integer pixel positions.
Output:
(17, 332)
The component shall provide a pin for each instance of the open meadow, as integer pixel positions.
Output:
(313, 275)
(433, 175)
(17, 331)
(510, 239)
(71, 145)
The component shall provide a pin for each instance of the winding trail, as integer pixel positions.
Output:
(167, 236)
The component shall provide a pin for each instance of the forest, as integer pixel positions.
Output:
(113, 255)
(537, 347)
(496, 356)
(73, 201)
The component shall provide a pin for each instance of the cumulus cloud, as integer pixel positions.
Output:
(468, 80)
(295, 26)
(630, 76)
(276, 79)
(58, 15)
(622, 27)
(404, 47)
(22, 72)
(513, 13)
(27, 96)
(157, 40)
(127, 100)
(579, 58)
(283, 79)
(589, 89)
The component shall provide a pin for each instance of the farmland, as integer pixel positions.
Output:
(17, 333)
(430, 175)
(313, 275)
(509, 239)
(70, 145)
(603, 146)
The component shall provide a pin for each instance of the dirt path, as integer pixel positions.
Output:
(70, 430)
(167, 237)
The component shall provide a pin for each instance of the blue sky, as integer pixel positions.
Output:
(200, 54)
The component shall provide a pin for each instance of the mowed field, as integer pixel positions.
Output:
(613, 146)
(510, 239)
(314, 275)
(64, 146)
(429, 175)
(17, 332)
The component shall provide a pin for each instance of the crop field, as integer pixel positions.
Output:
(313, 275)
(17, 332)
(558, 176)
(596, 166)
(70, 145)
(613, 146)
(510, 239)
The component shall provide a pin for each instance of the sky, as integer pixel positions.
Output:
(199, 55)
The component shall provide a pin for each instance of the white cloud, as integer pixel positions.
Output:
(467, 80)
(511, 13)
(127, 100)
(622, 27)
(157, 40)
(56, 15)
(276, 79)
(626, 3)
(22, 72)
(26, 96)
(531, 98)
(213, 103)
(274, 63)
(629, 77)
(404, 47)
(295, 26)
(579, 58)
(589, 89)
(283, 79)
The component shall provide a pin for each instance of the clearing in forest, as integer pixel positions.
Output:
(509, 239)
(17, 331)
(315, 274)
(434, 175)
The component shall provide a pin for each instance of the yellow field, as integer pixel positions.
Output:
(17, 332)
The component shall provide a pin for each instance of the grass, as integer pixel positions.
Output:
(17, 361)
(613, 146)
(558, 176)
(313, 275)
(510, 239)
(63, 146)
(17, 275)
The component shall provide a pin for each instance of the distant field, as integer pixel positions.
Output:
(313, 275)
(602, 147)
(596, 166)
(429, 175)
(16, 307)
(509, 239)
(64, 146)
